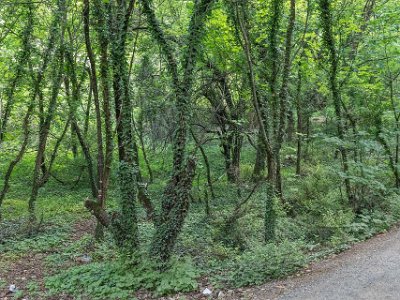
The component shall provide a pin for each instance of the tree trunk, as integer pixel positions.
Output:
(26, 121)
(175, 201)
(127, 229)
(22, 58)
(300, 129)
(326, 20)
(44, 132)
(261, 156)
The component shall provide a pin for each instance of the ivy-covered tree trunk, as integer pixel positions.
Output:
(97, 105)
(227, 115)
(36, 91)
(22, 59)
(329, 42)
(44, 129)
(261, 156)
(260, 106)
(102, 11)
(300, 125)
(175, 201)
(126, 226)
(283, 96)
(112, 28)
(270, 214)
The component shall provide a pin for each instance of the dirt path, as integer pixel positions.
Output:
(369, 270)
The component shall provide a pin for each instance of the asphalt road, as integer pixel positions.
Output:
(370, 270)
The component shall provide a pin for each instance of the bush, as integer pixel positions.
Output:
(267, 262)
(369, 223)
(325, 217)
(393, 206)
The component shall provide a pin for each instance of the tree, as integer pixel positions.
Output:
(329, 42)
(175, 201)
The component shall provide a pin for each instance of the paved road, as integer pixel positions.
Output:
(371, 270)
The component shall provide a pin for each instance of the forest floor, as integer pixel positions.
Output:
(31, 267)
(62, 261)
(369, 270)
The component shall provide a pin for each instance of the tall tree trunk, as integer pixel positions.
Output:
(300, 129)
(22, 59)
(102, 14)
(45, 128)
(290, 124)
(261, 156)
(262, 118)
(258, 104)
(36, 92)
(283, 96)
(326, 22)
(74, 146)
(175, 202)
(96, 100)
(127, 174)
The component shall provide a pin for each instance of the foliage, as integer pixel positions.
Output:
(122, 278)
(17, 242)
(234, 141)
(267, 262)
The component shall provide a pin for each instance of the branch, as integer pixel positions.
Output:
(159, 35)
(96, 209)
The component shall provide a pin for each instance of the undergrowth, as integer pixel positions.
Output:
(313, 221)
(119, 279)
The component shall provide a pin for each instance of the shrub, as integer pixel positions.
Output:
(369, 223)
(393, 206)
(266, 262)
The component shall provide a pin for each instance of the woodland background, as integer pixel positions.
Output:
(219, 143)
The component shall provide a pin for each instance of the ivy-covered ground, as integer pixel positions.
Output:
(61, 260)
